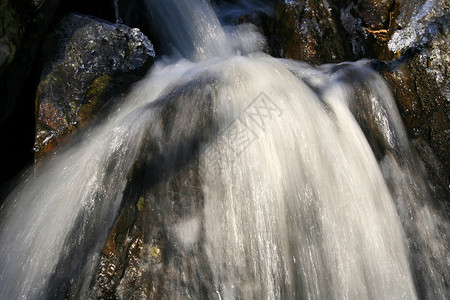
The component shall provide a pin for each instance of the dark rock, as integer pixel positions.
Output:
(368, 26)
(94, 61)
(376, 13)
(144, 255)
(22, 26)
(353, 25)
(307, 31)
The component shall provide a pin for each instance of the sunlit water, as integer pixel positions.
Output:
(310, 187)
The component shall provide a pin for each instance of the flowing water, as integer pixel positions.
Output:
(306, 186)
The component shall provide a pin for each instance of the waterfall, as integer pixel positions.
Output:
(256, 177)
(190, 28)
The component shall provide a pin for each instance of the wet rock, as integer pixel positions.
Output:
(308, 31)
(420, 78)
(353, 25)
(427, 33)
(376, 13)
(151, 252)
(422, 102)
(368, 26)
(333, 31)
(93, 62)
(418, 24)
(410, 38)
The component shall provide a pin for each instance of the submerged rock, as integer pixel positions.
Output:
(94, 61)
(156, 240)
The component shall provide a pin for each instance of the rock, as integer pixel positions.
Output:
(422, 27)
(427, 35)
(148, 252)
(5, 53)
(307, 31)
(376, 13)
(406, 10)
(420, 78)
(368, 25)
(409, 40)
(319, 32)
(94, 61)
(332, 31)
(422, 104)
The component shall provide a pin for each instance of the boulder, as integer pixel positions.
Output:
(94, 61)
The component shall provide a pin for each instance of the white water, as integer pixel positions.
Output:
(295, 204)
(307, 213)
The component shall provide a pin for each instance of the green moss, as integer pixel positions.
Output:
(98, 86)
(140, 203)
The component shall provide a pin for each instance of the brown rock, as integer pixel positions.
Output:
(308, 31)
(376, 13)
(422, 103)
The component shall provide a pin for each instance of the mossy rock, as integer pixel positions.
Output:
(93, 61)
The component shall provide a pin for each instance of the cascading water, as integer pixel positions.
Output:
(255, 177)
